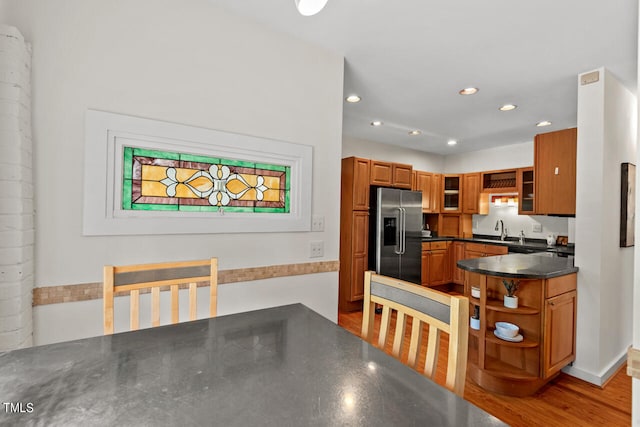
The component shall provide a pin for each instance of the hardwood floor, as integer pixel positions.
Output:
(565, 401)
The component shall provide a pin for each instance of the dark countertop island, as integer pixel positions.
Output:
(543, 265)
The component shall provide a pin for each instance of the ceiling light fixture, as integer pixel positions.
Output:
(310, 7)
(376, 123)
(468, 91)
(452, 142)
(414, 132)
(353, 98)
(543, 123)
(508, 107)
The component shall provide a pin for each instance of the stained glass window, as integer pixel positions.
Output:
(156, 180)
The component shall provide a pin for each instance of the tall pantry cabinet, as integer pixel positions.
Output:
(354, 231)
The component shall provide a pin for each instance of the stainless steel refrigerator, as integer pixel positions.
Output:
(396, 233)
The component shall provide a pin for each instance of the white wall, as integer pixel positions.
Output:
(374, 150)
(606, 137)
(485, 224)
(183, 62)
(506, 157)
(635, 383)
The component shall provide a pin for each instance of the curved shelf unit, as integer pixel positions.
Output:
(497, 305)
(500, 369)
(525, 343)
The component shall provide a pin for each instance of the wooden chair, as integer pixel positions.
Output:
(442, 312)
(153, 277)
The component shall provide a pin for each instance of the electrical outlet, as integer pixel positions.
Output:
(317, 223)
(316, 249)
(536, 228)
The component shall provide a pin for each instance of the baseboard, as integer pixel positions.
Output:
(599, 380)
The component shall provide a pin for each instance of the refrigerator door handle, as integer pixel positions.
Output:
(398, 247)
(404, 231)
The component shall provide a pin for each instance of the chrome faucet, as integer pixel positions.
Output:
(503, 231)
(521, 237)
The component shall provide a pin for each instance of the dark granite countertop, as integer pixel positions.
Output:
(284, 366)
(529, 246)
(543, 265)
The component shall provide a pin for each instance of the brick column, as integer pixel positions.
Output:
(16, 192)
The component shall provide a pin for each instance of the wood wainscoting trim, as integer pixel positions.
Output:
(633, 363)
(89, 291)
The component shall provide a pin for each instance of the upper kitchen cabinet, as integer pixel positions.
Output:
(526, 195)
(388, 174)
(500, 181)
(429, 184)
(471, 185)
(451, 194)
(555, 172)
(355, 184)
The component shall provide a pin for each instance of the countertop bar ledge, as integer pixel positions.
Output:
(524, 266)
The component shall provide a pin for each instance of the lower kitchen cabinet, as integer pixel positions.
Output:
(560, 330)
(546, 316)
(354, 242)
(435, 263)
(457, 253)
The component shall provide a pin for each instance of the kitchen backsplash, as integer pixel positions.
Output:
(485, 224)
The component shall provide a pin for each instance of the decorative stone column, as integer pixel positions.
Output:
(16, 192)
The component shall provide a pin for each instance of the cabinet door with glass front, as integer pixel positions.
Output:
(526, 195)
(451, 193)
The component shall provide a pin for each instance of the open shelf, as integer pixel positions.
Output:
(497, 305)
(525, 343)
(499, 369)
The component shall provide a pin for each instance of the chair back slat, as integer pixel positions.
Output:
(441, 312)
(175, 303)
(155, 306)
(193, 303)
(398, 337)
(134, 310)
(134, 279)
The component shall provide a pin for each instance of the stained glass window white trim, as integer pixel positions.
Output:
(106, 135)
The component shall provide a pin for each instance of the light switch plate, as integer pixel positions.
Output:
(316, 249)
(317, 223)
(536, 228)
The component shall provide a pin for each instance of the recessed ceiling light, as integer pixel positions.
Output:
(468, 91)
(508, 107)
(376, 123)
(543, 123)
(310, 7)
(352, 98)
(414, 132)
(452, 142)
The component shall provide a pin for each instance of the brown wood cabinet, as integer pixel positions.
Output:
(435, 263)
(451, 187)
(391, 174)
(355, 184)
(429, 184)
(354, 232)
(555, 172)
(457, 253)
(546, 316)
(526, 194)
(471, 193)
(499, 181)
(560, 332)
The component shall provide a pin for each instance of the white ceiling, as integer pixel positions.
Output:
(408, 59)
